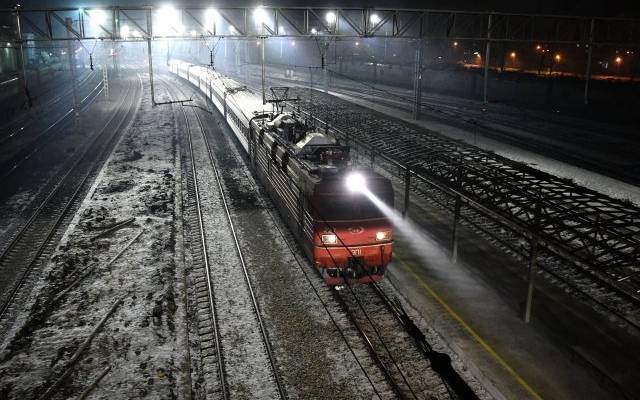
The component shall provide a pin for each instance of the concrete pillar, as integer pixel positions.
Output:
(150, 55)
(23, 62)
(417, 81)
(454, 232)
(487, 56)
(72, 64)
(407, 190)
(264, 93)
(587, 77)
(531, 279)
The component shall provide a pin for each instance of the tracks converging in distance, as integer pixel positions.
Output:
(209, 320)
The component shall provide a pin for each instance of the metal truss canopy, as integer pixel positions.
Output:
(136, 23)
(590, 230)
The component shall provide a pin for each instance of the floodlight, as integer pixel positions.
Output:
(330, 17)
(98, 17)
(374, 18)
(260, 16)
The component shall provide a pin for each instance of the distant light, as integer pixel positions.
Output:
(374, 18)
(455, 44)
(260, 16)
(357, 43)
(8, 44)
(168, 21)
(98, 17)
(314, 31)
(513, 54)
(293, 43)
(558, 57)
(618, 60)
(477, 54)
(211, 15)
(628, 51)
(124, 31)
(330, 17)
(257, 43)
(538, 47)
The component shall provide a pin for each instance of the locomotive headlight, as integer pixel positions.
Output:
(329, 239)
(383, 235)
(356, 182)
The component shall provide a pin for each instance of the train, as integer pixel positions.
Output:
(322, 197)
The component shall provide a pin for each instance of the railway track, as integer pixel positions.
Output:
(408, 372)
(212, 307)
(41, 139)
(17, 127)
(31, 247)
(396, 368)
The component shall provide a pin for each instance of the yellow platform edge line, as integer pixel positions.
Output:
(471, 331)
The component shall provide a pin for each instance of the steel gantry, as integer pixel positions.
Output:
(133, 23)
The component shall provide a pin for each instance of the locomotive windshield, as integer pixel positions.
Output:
(333, 200)
(345, 207)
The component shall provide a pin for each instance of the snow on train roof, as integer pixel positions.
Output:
(314, 139)
(244, 99)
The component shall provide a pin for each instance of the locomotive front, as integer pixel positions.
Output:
(353, 238)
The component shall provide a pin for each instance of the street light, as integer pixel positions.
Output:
(558, 57)
(211, 16)
(314, 31)
(513, 54)
(455, 44)
(168, 20)
(330, 17)
(260, 16)
(124, 31)
(618, 60)
(98, 17)
(374, 18)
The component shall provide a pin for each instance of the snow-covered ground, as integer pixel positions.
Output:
(144, 340)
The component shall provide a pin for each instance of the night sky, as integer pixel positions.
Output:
(623, 8)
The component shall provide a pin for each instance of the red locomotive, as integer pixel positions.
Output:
(308, 174)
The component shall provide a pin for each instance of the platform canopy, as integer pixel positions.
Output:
(151, 22)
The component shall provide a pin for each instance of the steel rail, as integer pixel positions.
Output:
(11, 125)
(207, 267)
(265, 336)
(59, 218)
(30, 149)
(299, 263)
